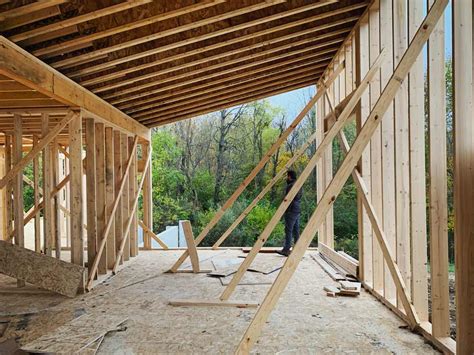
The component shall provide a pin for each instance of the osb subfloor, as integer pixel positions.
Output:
(305, 320)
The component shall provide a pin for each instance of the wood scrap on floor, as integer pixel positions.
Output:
(204, 303)
(333, 273)
(77, 335)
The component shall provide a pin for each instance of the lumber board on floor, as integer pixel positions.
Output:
(341, 260)
(40, 270)
(211, 303)
(333, 274)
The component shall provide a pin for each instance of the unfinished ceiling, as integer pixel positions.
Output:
(163, 61)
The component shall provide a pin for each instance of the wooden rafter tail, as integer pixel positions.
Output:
(37, 149)
(414, 49)
(217, 217)
(323, 146)
(103, 238)
(153, 235)
(130, 218)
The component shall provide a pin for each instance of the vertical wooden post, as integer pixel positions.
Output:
(36, 188)
(376, 143)
(118, 172)
(464, 175)
(56, 202)
(419, 255)
(3, 198)
(47, 189)
(125, 196)
(91, 193)
(319, 165)
(387, 207)
(402, 153)
(18, 186)
(439, 261)
(147, 200)
(76, 197)
(362, 111)
(110, 193)
(132, 193)
(327, 166)
(100, 191)
(9, 187)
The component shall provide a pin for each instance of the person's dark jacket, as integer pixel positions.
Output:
(295, 205)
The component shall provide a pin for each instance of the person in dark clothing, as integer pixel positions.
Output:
(292, 215)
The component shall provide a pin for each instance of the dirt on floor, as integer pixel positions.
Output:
(132, 311)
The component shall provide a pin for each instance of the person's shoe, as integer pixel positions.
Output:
(284, 252)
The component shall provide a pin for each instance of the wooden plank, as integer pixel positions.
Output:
(438, 194)
(91, 192)
(30, 71)
(118, 175)
(464, 176)
(41, 270)
(18, 202)
(100, 198)
(59, 25)
(109, 196)
(216, 218)
(47, 189)
(113, 211)
(55, 204)
(333, 273)
(25, 19)
(385, 205)
(253, 332)
(348, 265)
(36, 196)
(188, 234)
(147, 200)
(76, 190)
(8, 188)
(153, 235)
(325, 143)
(125, 198)
(210, 303)
(28, 9)
(133, 190)
(52, 133)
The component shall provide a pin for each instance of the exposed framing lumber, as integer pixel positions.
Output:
(36, 192)
(129, 222)
(81, 59)
(21, 66)
(125, 251)
(255, 171)
(147, 199)
(153, 235)
(191, 246)
(438, 202)
(348, 265)
(28, 9)
(115, 205)
(238, 39)
(76, 189)
(109, 198)
(55, 202)
(41, 145)
(17, 21)
(241, 58)
(324, 144)
(253, 332)
(419, 240)
(118, 173)
(47, 189)
(56, 26)
(100, 198)
(217, 73)
(464, 174)
(18, 202)
(91, 192)
(133, 190)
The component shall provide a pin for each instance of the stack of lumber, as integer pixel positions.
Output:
(345, 288)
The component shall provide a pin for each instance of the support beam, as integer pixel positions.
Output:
(153, 235)
(18, 202)
(125, 199)
(253, 332)
(109, 197)
(56, 203)
(118, 174)
(147, 199)
(76, 194)
(464, 174)
(91, 192)
(36, 192)
(133, 190)
(100, 189)
(257, 169)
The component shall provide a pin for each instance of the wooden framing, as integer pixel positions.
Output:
(91, 192)
(191, 245)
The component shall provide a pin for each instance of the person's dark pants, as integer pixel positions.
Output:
(292, 229)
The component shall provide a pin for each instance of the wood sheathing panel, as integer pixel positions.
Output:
(40, 270)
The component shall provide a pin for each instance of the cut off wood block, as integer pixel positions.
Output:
(347, 285)
(205, 303)
(41, 270)
(332, 289)
(331, 294)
